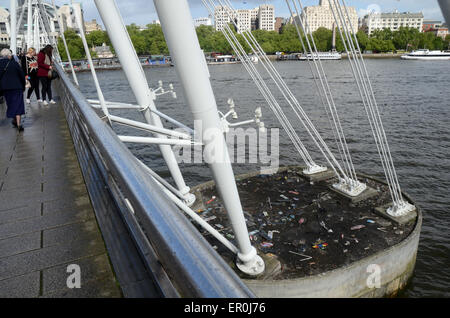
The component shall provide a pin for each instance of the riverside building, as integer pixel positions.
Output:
(321, 16)
(202, 21)
(67, 17)
(393, 21)
(260, 18)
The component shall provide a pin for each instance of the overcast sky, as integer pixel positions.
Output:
(143, 12)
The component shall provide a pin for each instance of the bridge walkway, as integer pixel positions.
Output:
(46, 218)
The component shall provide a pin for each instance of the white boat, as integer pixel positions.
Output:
(222, 59)
(427, 55)
(324, 56)
(333, 55)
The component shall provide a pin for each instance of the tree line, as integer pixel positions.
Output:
(150, 41)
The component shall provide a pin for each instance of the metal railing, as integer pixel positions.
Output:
(162, 234)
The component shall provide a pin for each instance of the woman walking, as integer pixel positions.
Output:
(44, 73)
(30, 68)
(12, 84)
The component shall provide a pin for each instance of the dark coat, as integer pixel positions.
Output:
(43, 68)
(13, 78)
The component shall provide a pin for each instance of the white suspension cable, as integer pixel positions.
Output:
(378, 116)
(340, 23)
(327, 92)
(290, 98)
(360, 79)
(63, 37)
(293, 102)
(51, 39)
(19, 21)
(319, 91)
(91, 63)
(363, 81)
(265, 91)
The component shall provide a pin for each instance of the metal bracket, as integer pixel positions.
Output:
(401, 209)
(314, 169)
(161, 91)
(251, 264)
(351, 187)
(226, 125)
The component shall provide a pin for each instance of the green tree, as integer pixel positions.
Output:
(447, 42)
(363, 40)
(406, 38)
(155, 43)
(323, 38)
(75, 45)
(97, 38)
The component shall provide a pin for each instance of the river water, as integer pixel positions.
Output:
(414, 100)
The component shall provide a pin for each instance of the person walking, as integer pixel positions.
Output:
(45, 69)
(30, 68)
(12, 84)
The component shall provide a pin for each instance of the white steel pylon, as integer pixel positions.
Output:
(135, 75)
(13, 26)
(190, 65)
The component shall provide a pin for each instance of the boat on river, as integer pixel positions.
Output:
(427, 55)
(218, 59)
(324, 56)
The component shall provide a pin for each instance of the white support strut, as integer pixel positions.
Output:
(13, 26)
(134, 72)
(80, 25)
(30, 24)
(185, 49)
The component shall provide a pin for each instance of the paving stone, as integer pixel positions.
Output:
(46, 218)
(47, 221)
(104, 288)
(26, 286)
(91, 269)
(29, 184)
(44, 258)
(66, 234)
(22, 213)
(20, 244)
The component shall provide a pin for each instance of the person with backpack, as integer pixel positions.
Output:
(12, 86)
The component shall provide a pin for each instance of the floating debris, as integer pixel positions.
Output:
(271, 233)
(322, 224)
(320, 245)
(211, 218)
(212, 200)
(293, 221)
(306, 257)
